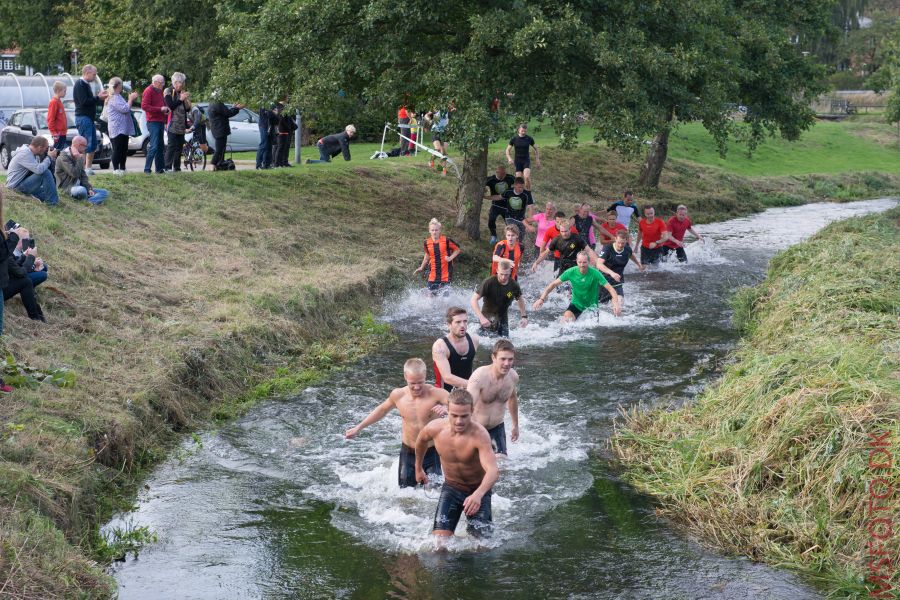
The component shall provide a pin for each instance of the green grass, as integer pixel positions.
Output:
(829, 147)
(771, 461)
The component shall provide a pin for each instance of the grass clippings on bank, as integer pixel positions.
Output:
(772, 461)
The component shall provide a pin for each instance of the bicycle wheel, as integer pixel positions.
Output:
(198, 158)
(187, 156)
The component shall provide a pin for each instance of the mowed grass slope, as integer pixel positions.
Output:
(772, 461)
(186, 297)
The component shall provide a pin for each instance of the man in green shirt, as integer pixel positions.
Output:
(586, 282)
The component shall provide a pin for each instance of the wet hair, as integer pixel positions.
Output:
(627, 194)
(453, 311)
(434, 222)
(502, 346)
(504, 264)
(513, 229)
(560, 215)
(520, 180)
(461, 397)
(415, 365)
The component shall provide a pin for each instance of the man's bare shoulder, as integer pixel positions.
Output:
(439, 347)
(513, 375)
(397, 394)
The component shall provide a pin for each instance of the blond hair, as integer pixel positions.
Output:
(434, 222)
(59, 86)
(415, 366)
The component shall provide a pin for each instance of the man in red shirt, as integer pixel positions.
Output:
(155, 111)
(57, 122)
(677, 226)
(652, 234)
(611, 226)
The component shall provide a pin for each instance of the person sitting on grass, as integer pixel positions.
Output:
(4, 281)
(71, 175)
(26, 255)
(19, 283)
(30, 171)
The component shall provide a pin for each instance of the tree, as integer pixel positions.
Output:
(33, 32)
(888, 76)
(536, 57)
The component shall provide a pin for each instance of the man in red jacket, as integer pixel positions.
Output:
(155, 111)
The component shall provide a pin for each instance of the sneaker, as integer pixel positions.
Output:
(118, 172)
(5, 388)
(89, 172)
(493, 241)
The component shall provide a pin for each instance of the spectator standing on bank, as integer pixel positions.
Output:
(72, 177)
(219, 126)
(264, 151)
(155, 110)
(286, 128)
(30, 172)
(334, 144)
(179, 103)
(121, 123)
(57, 122)
(274, 120)
(86, 104)
(403, 128)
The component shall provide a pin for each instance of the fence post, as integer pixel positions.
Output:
(298, 136)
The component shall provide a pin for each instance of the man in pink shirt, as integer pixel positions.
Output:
(677, 226)
(155, 110)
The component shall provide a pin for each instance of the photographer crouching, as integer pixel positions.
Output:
(24, 270)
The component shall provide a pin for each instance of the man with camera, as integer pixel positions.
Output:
(30, 171)
(71, 174)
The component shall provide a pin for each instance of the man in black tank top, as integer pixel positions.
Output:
(454, 354)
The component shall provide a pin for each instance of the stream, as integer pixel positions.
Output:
(277, 504)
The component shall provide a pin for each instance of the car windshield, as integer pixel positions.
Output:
(42, 119)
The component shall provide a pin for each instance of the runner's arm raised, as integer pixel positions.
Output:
(425, 436)
(488, 460)
(376, 415)
(442, 364)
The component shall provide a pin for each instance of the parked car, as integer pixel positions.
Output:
(138, 142)
(27, 123)
(244, 130)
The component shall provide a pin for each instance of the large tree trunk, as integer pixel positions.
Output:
(471, 192)
(656, 156)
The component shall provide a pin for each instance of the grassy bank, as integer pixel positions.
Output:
(772, 460)
(185, 298)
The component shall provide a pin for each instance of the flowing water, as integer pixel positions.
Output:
(279, 505)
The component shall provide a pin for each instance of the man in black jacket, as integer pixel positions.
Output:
(264, 151)
(219, 114)
(332, 145)
(86, 103)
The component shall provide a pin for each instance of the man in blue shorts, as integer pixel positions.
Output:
(470, 468)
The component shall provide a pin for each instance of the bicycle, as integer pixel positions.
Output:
(193, 156)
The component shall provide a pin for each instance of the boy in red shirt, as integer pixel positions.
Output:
(677, 226)
(57, 122)
(611, 226)
(509, 249)
(652, 234)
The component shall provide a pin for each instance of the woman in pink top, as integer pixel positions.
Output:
(543, 222)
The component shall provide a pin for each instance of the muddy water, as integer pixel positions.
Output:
(279, 505)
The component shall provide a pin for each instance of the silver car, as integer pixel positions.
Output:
(244, 132)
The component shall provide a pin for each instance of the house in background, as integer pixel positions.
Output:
(9, 63)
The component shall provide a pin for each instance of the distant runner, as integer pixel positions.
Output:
(470, 468)
(543, 222)
(418, 403)
(496, 184)
(677, 226)
(625, 209)
(567, 245)
(586, 283)
(509, 249)
(615, 257)
(438, 121)
(652, 234)
(519, 203)
(494, 388)
(498, 292)
(585, 223)
(454, 354)
(439, 254)
(522, 143)
(609, 228)
(560, 223)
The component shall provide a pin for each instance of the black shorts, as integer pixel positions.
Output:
(437, 136)
(522, 164)
(680, 254)
(617, 285)
(651, 255)
(498, 438)
(406, 468)
(574, 310)
(450, 509)
(438, 287)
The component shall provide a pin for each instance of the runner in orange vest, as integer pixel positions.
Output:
(509, 249)
(439, 254)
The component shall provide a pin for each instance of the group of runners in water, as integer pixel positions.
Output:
(455, 429)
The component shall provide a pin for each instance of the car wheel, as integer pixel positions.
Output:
(4, 157)
(104, 164)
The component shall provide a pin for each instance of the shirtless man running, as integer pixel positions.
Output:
(494, 387)
(454, 354)
(418, 403)
(470, 468)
